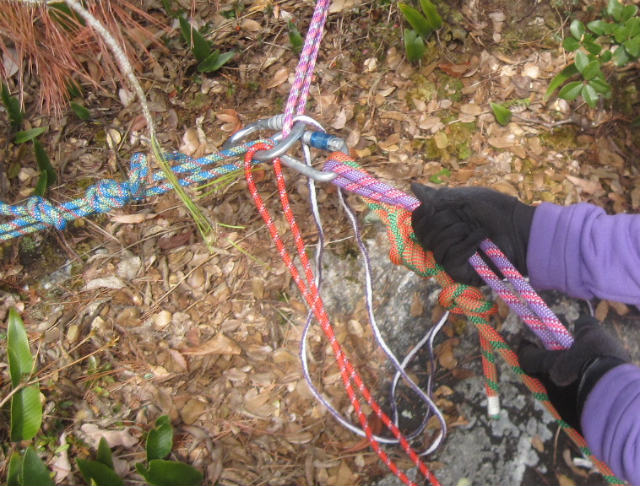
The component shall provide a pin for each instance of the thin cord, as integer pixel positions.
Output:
(376, 331)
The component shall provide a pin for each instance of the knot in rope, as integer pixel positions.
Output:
(467, 300)
(108, 194)
(43, 211)
(137, 175)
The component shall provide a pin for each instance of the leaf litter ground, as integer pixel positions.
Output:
(137, 319)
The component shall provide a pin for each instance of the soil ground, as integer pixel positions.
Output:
(140, 319)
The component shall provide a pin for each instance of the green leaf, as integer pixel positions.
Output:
(295, 38)
(20, 360)
(614, 9)
(633, 46)
(15, 470)
(26, 413)
(142, 469)
(590, 96)
(598, 27)
(560, 78)
(570, 44)
(591, 70)
(620, 56)
(170, 473)
(26, 135)
(431, 14)
(628, 11)
(97, 473)
(215, 61)
(168, 7)
(502, 114)
(571, 91)
(163, 420)
(601, 86)
(104, 453)
(160, 440)
(200, 47)
(591, 46)
(416, 20)
(605, 57)
(581, 61)
(74, 89)
(577, 29)
(34, 471)
(437, 177)
(413, 45)
(634, 26)
(621, 33)
(41, 185)
(80, 111)
(44, 164)
(67, 18)
(12, 105)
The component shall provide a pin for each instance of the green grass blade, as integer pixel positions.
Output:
(202, 223)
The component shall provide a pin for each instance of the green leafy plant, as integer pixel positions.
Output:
(501, 112)
(423, 23)
(438, 177)
(161, 472)
(99, 472)
(12, 106)
(169, 8)
(209, 60)
(26, 409)
(413, 45)
(47, 175)
(27, 470)
(612, 39)
(295, 37)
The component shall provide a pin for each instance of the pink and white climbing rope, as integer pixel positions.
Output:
(299, 92)
(525, 301)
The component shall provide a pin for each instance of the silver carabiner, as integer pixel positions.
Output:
(283, 144)
(310, 172)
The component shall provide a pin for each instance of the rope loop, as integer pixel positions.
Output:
(466, 300)
(43, 211)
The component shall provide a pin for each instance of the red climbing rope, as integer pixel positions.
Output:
(350, 376)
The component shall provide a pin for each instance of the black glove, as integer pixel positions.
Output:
(569, 375)
(452, 223)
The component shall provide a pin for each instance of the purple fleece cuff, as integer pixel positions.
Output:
(585, 253)
(611, 421)
(553, 255)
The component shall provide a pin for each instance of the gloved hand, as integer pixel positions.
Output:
(569, 375)
(452, 222)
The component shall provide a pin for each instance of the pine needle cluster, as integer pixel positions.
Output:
(53, 47)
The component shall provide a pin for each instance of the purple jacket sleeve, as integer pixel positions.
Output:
(611, 421)
(585, 253)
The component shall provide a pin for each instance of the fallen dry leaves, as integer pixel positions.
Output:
(212, 339)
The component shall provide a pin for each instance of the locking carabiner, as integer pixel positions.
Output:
(297, 133)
